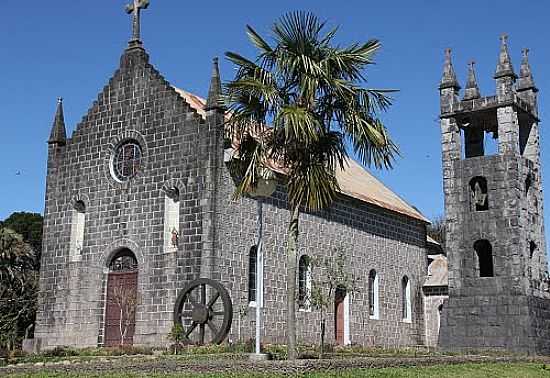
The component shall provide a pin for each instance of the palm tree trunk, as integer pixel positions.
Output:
(291, 284)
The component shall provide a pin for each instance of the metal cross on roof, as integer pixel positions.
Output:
(135, 9)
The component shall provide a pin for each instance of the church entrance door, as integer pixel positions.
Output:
(339, 315)
(122, 299)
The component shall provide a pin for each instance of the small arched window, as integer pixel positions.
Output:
(252, 268)
(373, 295)
(406, 299)
(304, 282)
(532, 248)
(78, 224)
(528, 184)
(484, 252)
(479, 194)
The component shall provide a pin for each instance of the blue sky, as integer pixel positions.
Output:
(70, 48)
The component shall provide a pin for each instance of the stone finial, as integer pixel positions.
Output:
(525, 81)
(472, 90)
(504, 66)
(58, 134)
(214, 100)
(448, 80)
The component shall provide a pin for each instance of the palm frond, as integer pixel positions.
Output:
(258, 41)
(311, 90)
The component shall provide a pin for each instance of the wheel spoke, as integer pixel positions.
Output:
(204, 304)
(203, 294)
(191, 329)
(201, 335)
(213, 300)
(213, 328)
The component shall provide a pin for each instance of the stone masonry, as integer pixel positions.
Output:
(498, 280)
(182, 151)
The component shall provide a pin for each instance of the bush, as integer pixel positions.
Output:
(61, 351)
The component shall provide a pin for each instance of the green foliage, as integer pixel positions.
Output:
(19, 265)
(177, 336)
(309, 88)
(29, 226)
(336, 274)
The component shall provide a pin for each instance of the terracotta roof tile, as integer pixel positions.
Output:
(355, 181)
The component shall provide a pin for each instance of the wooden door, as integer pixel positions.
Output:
(339, 316)
(121, 302)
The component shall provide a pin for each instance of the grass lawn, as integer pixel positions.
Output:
(487, 370)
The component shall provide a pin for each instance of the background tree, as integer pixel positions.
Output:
(29, 226)
(336, 273)
(309, 89)
(18, 288)
(436, 230)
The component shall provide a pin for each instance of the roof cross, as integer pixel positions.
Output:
(135, 9)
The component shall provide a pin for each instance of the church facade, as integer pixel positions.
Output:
(139, 204)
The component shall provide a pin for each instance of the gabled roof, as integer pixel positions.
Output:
(355, 181)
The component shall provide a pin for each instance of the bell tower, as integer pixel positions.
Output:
(498, 276)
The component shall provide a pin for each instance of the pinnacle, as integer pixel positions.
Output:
(472, 90)
(448, 79)
(525, 75)
(58, 134)
(504, 66)
(215, 91)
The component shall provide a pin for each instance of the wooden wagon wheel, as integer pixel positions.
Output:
(205, 311)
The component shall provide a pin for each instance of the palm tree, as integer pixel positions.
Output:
(308, 89)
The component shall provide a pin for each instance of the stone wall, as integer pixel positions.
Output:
(137, 104)
(434, 297)
(369, 237)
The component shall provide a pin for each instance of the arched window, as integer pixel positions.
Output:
(406, 299)
(532, 248)
(78, 223)
(484, 252)
(252, 268)
(123, 261)
(528, 184)
(479, 194)
(373, 295)
(304, 282)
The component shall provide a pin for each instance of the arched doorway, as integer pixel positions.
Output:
(122, 299)
(339, 315)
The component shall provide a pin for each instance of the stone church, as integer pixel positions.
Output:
(141, 230)
(139, 207)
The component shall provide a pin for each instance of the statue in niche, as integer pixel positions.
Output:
(175, 238)
(479, 197)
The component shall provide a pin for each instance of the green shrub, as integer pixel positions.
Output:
(176, 335)
(61, 351)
